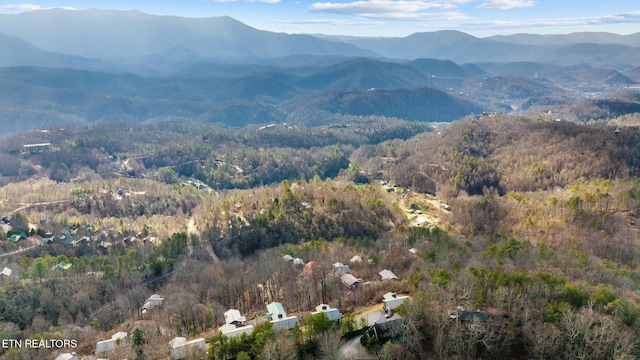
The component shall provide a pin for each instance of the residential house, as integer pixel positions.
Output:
(117, 340)
(66, 239)
(36, 148)
(310, 269)
(235, 324)
(391, 301)
(18, 237)
(67, 356)
(278, 317)
(180, 348)
(350, 281)
(387, 275)
(332, 313)
(153, 301)
(391, 330)
(232, 316)
(340, 268)
(62, 266)
(467, 316)
(233, 330)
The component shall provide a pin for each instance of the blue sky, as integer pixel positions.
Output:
(387, 17)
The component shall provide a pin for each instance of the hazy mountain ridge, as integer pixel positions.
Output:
(106, 34)
(573, 38)
(219, 69)
(164, 42)
(221, 92)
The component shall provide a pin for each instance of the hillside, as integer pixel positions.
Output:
(36, 97)
(539, 233)
(420, 104)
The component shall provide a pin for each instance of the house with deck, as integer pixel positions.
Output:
(278, 317)
(332, 313)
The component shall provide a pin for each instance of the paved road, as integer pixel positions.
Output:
(352, 350)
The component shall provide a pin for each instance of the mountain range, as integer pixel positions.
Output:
(75, 67)
(135, 41)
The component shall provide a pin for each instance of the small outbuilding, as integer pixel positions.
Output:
(6, 272)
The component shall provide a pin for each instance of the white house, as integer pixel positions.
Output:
(232, 316)
(278, 317)
(391, 301)
(233, 330)
(153, 301)
(180, 348)
(332, 313)
(67, 356)
(118, 339)
(340, 268)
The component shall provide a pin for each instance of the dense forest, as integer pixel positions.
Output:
(540, 232)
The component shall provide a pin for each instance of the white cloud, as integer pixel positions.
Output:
(21, 7)
(632, 17)
(30, 7)
(507, 4)
(328, 21)
(394, 9)
(337, 22)
(565, 22)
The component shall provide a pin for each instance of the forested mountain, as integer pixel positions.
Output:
(539, 232)
(242, 94)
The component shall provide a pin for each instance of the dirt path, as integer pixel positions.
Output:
(28, 205)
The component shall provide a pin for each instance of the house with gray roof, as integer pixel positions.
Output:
(332, 313)
(180, 348)
(387, 275)
(350, 281)
(117, 340)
